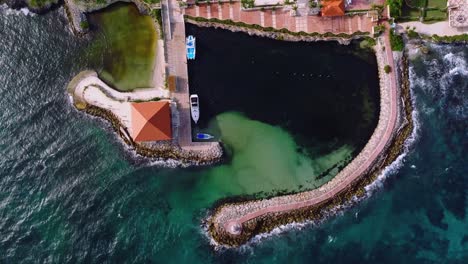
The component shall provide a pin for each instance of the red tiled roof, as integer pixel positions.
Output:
(151, 121)
(333, 8)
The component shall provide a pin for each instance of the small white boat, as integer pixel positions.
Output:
(194, 107)
(190, 46)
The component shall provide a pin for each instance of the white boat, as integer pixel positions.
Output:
(190, 46)
(194, 107)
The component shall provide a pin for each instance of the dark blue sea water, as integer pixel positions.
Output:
(71, 193)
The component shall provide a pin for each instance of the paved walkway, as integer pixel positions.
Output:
(439, 28)
(281, 18)
(231, 217)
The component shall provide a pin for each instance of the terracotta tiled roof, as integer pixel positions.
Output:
(333, 8)
(151, 121)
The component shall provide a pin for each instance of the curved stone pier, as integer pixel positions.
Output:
(235, 223)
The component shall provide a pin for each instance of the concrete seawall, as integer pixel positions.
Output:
(235, 223)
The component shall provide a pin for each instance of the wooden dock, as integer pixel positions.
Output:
(174, 31)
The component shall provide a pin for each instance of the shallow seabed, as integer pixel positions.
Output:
(69, 193)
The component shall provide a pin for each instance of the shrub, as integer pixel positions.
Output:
(395, 7)
(84, 24)
(248, 3)
(412, 34)
(387, 69)
(396, 41)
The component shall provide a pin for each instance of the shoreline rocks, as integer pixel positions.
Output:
(166, 150)
(274, 35)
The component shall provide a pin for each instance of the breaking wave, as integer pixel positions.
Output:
(22, 11)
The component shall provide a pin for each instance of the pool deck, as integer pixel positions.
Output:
(177, 66)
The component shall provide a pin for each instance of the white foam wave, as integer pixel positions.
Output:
(399, 161)
(457, 63)
(21, 12)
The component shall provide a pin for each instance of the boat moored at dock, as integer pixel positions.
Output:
(204, 136)
(194, 107)
(190, 46)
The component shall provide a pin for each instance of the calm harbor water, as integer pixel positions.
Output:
(71, 193)
(309, 107)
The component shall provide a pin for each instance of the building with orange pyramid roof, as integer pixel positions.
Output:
(333, 8)
(151, 121)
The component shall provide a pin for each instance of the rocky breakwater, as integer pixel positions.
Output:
(233, 224)
(88, 96)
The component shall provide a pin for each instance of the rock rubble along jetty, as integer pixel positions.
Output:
(232, 224)
(94, 97)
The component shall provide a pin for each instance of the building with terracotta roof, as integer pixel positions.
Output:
(151, 121)
(333, 8)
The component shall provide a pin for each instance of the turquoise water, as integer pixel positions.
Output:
(70, 192)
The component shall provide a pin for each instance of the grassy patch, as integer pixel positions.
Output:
(415, 3)
(435, 14)
(441, 4)
(129, 41)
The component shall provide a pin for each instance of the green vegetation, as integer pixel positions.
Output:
(248, 3)
(127, 42)
(274, 30)
(41, 3)
(387, 69)
(152, 1)
(379, 29)
(441, 4)
(396, 41)
(450, 39)
(367, 43)
(157, 16)
(412, 34)
(395, 7)
(424, 10)
(84, 24)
